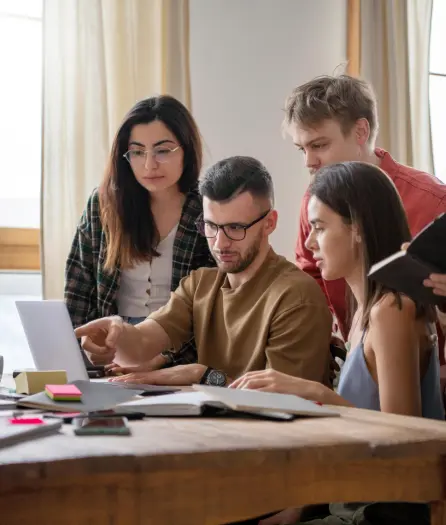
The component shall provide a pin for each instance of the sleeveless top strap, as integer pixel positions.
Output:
(364, 333)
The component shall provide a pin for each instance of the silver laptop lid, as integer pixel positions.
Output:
(51, 338)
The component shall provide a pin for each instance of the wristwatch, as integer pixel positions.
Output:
(168, 356)
(213, 377)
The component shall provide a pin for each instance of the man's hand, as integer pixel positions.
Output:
(158, 362)
(181, 375)
(100, 339)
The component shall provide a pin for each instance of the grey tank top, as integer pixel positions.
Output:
(357, 386)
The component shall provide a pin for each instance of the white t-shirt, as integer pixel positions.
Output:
(146, 287)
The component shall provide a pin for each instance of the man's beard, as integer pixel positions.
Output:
(242, 264)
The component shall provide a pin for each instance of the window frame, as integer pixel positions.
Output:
(20, 247)
(433, 73)
(354, 37)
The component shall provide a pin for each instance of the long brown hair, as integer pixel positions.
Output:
(126, 215)
(362, 194)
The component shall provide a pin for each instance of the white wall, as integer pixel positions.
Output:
(245, 57)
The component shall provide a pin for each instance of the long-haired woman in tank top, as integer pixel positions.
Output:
(357, 220)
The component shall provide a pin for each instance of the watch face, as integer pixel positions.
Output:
(216, 378)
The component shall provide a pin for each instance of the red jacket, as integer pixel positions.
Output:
(424, 198)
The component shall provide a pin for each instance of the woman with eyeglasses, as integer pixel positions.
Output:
(137, 236)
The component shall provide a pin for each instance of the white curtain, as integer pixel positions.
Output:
(395, 37)
(100, 57)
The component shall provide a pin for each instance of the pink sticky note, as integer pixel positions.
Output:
(63, 390)
(26, 421)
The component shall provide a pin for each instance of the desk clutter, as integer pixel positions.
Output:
(104, 408)
(94, 397)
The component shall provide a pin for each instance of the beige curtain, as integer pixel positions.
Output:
(100, 57)
(395, 37)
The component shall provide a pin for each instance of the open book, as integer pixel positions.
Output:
(274, 406)
(405, 271)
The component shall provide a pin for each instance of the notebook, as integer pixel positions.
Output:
(12, 434)
(95, 396)
(405, 271)
(248, 401)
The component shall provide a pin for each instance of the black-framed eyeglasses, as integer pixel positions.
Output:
(234, 231)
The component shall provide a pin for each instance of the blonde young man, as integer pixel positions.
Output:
(256, 310)
(334, 119)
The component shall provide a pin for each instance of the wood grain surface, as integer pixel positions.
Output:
(211, 471)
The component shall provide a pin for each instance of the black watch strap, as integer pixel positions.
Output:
(205, 376)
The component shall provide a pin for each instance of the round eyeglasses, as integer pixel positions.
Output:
(234, 231)
(138, 157)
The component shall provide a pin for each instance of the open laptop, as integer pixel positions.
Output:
(51, 338)
(54, 346)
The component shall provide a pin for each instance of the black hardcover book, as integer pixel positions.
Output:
(406, 270)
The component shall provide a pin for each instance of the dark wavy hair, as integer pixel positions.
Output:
(126, 214)
(362, 194)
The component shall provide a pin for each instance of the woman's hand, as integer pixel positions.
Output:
(272, 381)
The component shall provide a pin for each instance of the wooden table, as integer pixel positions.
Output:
(209, 471)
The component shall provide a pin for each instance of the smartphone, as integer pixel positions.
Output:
(93, 426)
(130, 415)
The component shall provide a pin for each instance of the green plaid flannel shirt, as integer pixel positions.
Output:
(91, 292)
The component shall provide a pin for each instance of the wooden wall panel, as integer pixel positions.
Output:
(19, 249)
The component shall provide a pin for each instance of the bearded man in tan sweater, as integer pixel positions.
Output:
(256, 310)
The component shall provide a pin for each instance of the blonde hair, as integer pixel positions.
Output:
(342, 98)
